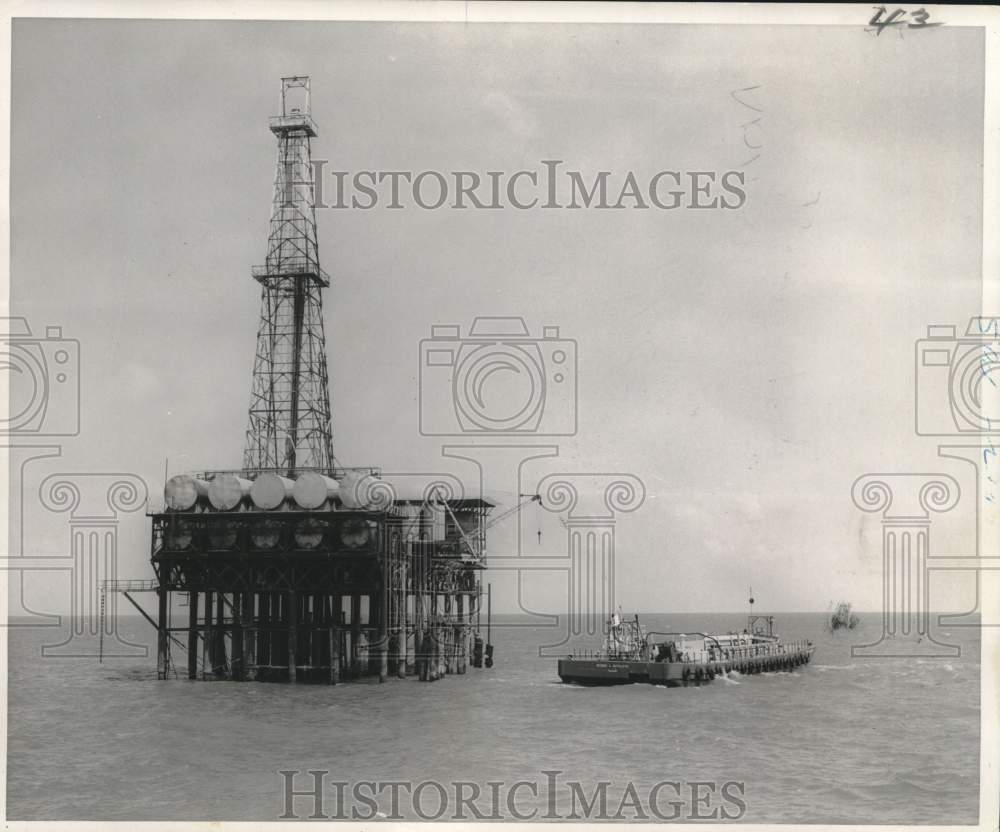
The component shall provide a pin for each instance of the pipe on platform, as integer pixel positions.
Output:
(182, 491)
(312, 490)
(227, 491)
(269, 491)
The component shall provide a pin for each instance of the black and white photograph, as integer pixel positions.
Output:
(468, 413)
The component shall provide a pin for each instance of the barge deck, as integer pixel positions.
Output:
(631, 656)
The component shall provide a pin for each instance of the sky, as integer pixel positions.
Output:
(746, 366)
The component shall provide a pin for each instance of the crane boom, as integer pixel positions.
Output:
(531, 498)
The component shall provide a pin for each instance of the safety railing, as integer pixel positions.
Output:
(713, 654)
(133, 585)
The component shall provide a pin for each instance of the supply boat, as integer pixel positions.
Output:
(631, 654)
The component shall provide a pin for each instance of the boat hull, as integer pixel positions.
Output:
(597, 671)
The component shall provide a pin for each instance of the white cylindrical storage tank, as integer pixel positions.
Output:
(366, 491)
(270, 491)
(311, 490)
(226, 491)
(354, 489)
(182, 491)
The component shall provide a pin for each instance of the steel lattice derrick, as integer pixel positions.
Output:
(289, 424)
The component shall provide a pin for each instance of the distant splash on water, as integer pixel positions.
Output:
(843, 617)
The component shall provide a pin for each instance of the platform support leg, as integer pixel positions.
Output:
(461, 640)
(337, 636)
(355, 634)
(192, 635)
(238, 667)
(293, 632)
(162, 645)
(220, 634)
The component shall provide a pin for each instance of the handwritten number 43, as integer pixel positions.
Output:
(880, 20)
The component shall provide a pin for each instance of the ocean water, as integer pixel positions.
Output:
(841, 740)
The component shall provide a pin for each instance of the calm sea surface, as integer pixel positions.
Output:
(840, 741)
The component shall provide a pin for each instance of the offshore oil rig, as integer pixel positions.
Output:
(293, 568)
